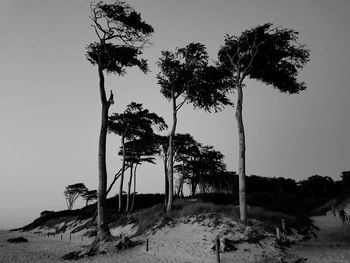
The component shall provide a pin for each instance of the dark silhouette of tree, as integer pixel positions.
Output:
(345, 178)
(46, 212)
(72, 192)
(187, 156)
(186, 77)
(134, 123)
(137, 152)
(317, 186)
(89, 196)
(121, 36)
(270, 55)
(180, 143)
(163, 144)
(198, 165)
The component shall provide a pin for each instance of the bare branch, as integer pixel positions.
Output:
(181, 104)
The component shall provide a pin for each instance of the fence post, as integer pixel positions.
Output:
(278, 236)
(217, 248)
(61, 236)
(146, 244)
(283, 225)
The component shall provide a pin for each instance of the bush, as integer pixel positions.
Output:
(46, 212)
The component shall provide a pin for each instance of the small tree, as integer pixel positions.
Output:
(90, 196)
(134, 123)
(270, 55)
(46, 212)
(121, 36)
(137, 152)
(186, 77)
(72, 192)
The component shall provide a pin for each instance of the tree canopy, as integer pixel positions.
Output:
(271, 55)
(72, 192)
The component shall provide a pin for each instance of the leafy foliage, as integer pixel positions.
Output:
(186, 73)
(135, 122)
(115, 58)
(72, 192)
(122, 34)
(270, 55)
(90, 195)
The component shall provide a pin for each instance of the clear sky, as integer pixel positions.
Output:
(50, 108)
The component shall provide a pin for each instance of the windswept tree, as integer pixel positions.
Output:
(197, 165)
(121, 35)
(72, 192)
(180, 143)
(271, 55)
(186, 77)
(89, 196)
(134, 123)
(138, 151)
(186, 150)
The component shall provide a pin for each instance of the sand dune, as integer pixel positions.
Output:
(332, 244)
(185, 241)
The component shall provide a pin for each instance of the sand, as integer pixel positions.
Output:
(332, 244)
(184, 241)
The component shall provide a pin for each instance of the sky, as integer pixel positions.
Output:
(50, 106)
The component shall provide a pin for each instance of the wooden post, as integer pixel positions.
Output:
(278, 236)
(61, 236)
(217, 248)
(283, 226)
(146, 244)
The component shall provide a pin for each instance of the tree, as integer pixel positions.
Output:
(163, 143)
(72, 192)
(121, 36)
(270, 55)
(134, 123)
(46, 213)
(317, 186)
(186, 77)
(180, 143)
(137, 152)
(198, 165)
(89, 196)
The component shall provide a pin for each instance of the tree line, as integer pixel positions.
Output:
(272, 55)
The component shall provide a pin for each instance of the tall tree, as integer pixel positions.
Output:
(186, 77)
(134, 123)
(271, 55)
(121, 36)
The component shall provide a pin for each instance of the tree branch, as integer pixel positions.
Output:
(111, 100)
(181, 104)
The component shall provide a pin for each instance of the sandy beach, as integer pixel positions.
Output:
(180, 243)
(185, 241)
(332, 244)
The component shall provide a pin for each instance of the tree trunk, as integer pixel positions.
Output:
(166, 190)
(133, 196)
(129, 190)
(102, 224)
(169, 208)
(241, 156)
(120, 199)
